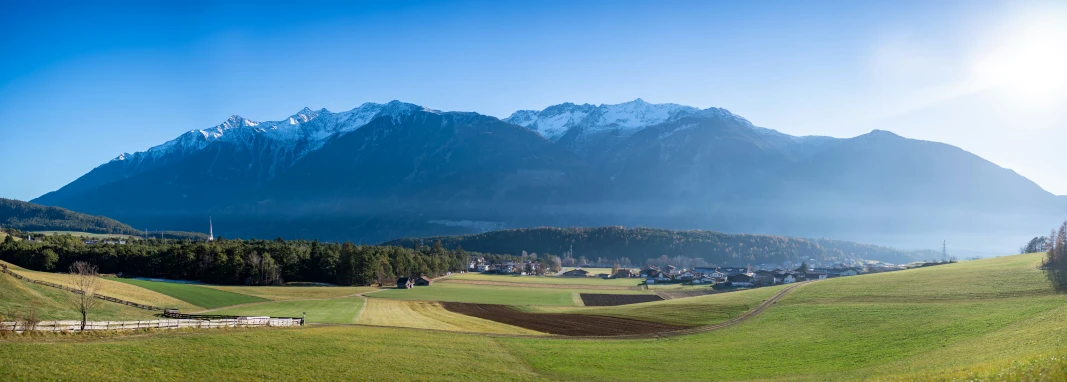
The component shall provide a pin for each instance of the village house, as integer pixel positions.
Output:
(731, 271)
(741, 280)
(404, 283)
(576, 273)
(422, 281)
(623, 273)
(704, 270)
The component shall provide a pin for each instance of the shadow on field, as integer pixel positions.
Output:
(1058, 279)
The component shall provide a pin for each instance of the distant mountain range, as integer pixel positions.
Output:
(382, 171)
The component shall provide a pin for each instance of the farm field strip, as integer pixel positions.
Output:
(600, 299)
(280, 293)
(430, 315)
(486, 294)
(584, 281)
(194, 294)
(341, 310)
(561, 324)
(540, 285)
(112, 288)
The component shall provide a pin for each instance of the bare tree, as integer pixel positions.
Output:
(87, 282)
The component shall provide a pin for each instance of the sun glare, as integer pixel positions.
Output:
(1029, 62)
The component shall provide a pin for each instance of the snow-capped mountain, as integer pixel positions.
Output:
(381, 171)
(624, 119)
(300, 133)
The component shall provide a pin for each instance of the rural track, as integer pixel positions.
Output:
(666, 334)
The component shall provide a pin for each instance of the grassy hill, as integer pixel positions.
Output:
(982, 319)
(31, 217)
(639, 244)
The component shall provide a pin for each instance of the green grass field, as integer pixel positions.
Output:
(332, 311)
(690, 311)
(545, 279)
(198, 295)
(112, 288)
(493, 294)
(279, 293)
(993, 319)
(18, 298)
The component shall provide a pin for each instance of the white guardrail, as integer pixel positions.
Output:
(75, 326)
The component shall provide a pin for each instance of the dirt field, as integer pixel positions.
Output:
(429, 315)
(597, 299)
(561, 324)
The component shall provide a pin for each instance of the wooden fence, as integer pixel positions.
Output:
(72, 290)
(75, 326)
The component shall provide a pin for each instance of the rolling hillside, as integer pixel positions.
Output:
(975, 320)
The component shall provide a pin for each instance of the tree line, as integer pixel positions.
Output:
(1055, 263)
(640, 246)
(242, 262)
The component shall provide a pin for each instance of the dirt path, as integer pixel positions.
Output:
(663, 334)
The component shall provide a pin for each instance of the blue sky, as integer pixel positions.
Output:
(81, 84)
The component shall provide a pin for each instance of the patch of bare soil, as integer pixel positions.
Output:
(598, 299)
(558, 323)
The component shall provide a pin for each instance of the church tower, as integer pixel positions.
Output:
(210, 230)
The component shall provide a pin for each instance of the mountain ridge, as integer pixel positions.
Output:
(382, 171)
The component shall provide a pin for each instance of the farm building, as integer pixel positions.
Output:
(576, 273)
(404, 283)
(422, 281)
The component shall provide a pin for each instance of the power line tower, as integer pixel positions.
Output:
(944, 250)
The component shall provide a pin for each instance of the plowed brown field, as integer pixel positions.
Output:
(599, 299)
(561, 324)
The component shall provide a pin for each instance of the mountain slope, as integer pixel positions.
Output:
(382, 171)
(31, 217)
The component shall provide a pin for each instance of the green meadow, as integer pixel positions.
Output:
(993, 319)
(198, 295)
(332, 311)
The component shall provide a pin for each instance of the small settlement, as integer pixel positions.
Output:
(740, 277)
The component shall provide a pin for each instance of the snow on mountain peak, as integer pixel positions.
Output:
(625, 118)
(305, 131)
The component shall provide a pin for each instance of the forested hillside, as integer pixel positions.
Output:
(32, 217)
(641, 244)
(236, 262)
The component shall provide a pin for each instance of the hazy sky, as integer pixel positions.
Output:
(82, 84)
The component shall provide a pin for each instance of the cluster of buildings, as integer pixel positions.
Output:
(507, 268)
(741, 276)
